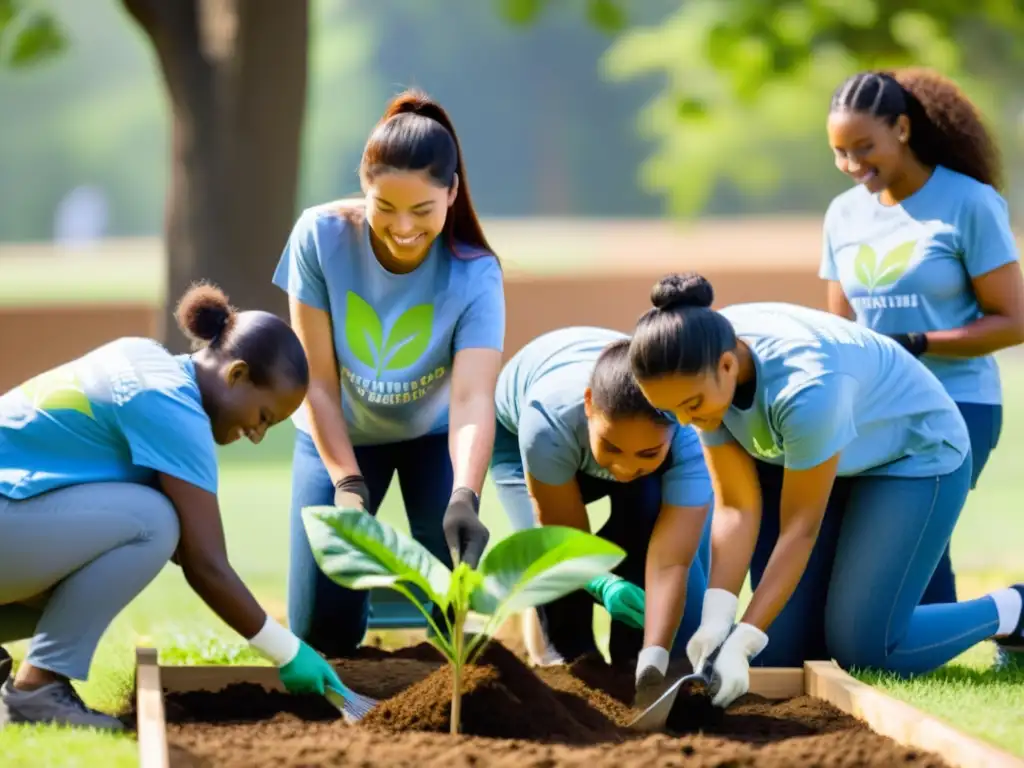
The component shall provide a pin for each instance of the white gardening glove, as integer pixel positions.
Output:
(717, 616)
(732, 667)
(650, 676)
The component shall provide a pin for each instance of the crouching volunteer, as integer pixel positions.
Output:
(840, 466)
(108, 469)
(399, 303)
(573, 427)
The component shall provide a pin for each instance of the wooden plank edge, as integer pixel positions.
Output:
(777, 682)
(900, 721)
(216, 677)
(151, 727)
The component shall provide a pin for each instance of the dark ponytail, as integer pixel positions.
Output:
(267, 344)
(417, 134)
(945, 127)
(613, 388)
(681, 334)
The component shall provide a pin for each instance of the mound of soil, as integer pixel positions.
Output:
(501, 698)
(513, 717)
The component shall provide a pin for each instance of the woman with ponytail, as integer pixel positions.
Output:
(399, 303)
(921, 248)
(108, 470)
(839, 465)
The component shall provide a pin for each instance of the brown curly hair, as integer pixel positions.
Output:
(945, 127)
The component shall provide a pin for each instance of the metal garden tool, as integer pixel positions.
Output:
(696, 687)
(353, 706)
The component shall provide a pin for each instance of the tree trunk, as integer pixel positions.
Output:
(236, 75)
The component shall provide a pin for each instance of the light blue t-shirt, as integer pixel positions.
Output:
(395, 336)
(827, 385)
(120, 413)
(539, 398)
(908, 267)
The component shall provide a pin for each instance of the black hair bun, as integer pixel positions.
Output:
(689, 290)
(204, 313)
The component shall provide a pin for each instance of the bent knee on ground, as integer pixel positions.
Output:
(857, 645)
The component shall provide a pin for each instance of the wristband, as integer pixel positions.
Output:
(915, 343)
(653, 656)
(351, 484)
(276, 643)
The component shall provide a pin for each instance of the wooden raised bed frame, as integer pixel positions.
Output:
(821, 679)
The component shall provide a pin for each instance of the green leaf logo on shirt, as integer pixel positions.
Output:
(58, 390)
(766, 447)
(405, 343)
(874, 274)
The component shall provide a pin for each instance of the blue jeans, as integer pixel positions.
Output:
(326, 615)
(984, 424)
(859, 599)
(567, 622)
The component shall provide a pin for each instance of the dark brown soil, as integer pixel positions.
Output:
(513, 717)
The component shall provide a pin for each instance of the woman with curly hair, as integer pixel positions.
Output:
(921, 248)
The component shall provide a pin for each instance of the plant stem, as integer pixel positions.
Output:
(460, 659)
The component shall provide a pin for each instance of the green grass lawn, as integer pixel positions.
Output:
(255, 498)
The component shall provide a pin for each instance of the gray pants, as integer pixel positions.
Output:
(71, 560)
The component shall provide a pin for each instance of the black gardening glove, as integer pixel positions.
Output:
(466, 535)
(915, 343)
(355, 485)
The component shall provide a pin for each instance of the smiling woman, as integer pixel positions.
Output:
(840, 466)
(573, 427)
(399, 303)
(108, 470)
(922, 249)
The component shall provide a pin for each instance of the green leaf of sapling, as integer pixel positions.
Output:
(358, 551)
(363, 330)
(538, 565)
(409, 337)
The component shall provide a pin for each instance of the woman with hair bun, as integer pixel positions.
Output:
(840, 466)
(108, 470)
(399, 302)
(921, 249)
(573, 427)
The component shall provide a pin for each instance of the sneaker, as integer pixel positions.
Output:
(1010, 649)
(56, 703)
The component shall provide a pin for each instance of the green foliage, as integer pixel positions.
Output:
(606, 15)
(747, 84)
(360, 552)
(526, 569)
(29, 34)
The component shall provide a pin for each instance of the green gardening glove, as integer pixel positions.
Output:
(309, 672)
(623, 600)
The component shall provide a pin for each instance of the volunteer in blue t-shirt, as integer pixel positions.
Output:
(399, 303)
(921, 249)
(840, 466)
(108, 470)
(573, 427)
